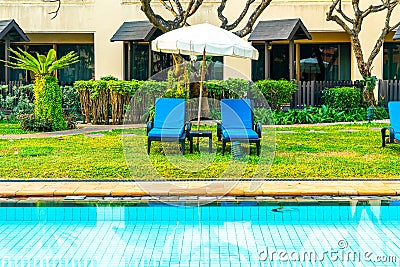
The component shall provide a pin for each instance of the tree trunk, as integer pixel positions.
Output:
(365, 71)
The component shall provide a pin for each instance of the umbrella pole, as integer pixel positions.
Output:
(200, 94)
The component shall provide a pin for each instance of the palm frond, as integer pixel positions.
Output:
(41, 64)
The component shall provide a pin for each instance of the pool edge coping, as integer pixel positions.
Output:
(23, 189)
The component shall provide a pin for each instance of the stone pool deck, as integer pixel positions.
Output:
(24, 189)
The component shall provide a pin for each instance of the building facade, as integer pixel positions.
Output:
(87, 26)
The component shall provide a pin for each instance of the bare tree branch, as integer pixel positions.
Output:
(251, 21)
(355, 28)
(58, 7)
(335, 18)
(386, 29)
(180, 14)
(340, 11)
(195, 7)
(238, 20)
(179, 6)
(168, 7)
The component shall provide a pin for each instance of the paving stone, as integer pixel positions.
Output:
(189, 198)
(112, 198)
(94, 198)
(74, 197)
(131, 198)
(206, 198)
(264, 198)
(227, 198)
(202, 191)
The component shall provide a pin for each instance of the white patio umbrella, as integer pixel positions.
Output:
(203, 39)
(311, 65)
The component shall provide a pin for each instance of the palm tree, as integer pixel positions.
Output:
(48, 95)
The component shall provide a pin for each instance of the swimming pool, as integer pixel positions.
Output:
(285, 232)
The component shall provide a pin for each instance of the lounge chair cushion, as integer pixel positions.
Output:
(166, 133)
(236, 114)
(397, 135)
(169, 113)
(394, 114)
(239, 134)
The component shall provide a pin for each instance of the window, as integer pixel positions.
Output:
(2, 54)
(325, 62)
(391, 61)
(216, 70)
(139, 63)
(258, 66)
(82, 70)
(279, 62)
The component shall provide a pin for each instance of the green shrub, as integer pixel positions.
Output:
(19, 103)
(98, 88)
(48, 101)
(238, 88)
(109, 78)
(124, 87)
(381, 113)
(29, 122)
(217, 89)
(84, 85)
(276, 92)
(325, 114)
(70, 121)
(342, 97)
(153, 88)
(71, 103)
(230, 88)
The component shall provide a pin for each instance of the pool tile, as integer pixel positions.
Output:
(345, 213)
(246, 213)
(19, 214)
(76, 214)
(254, 213)
(189, 213)
(311, 213)
(214, 213)
(205, 213)
(224, 213)
(60, 214)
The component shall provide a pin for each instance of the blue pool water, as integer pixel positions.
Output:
(353, 233)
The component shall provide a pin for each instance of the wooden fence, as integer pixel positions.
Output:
(9, 90)
(388, 91)
(309, 93)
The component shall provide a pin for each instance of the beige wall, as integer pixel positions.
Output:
(101, 18)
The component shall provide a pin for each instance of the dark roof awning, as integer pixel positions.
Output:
(397, 34)
(138, 31)
(276, 30)
(10, 29)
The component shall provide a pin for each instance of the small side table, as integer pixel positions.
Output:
(200, 134)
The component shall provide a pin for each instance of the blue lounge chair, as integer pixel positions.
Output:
(394, 129)
(237, 123)
(169, 122)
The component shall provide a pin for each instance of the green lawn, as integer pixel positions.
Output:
(301, 152)
(10, 128)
